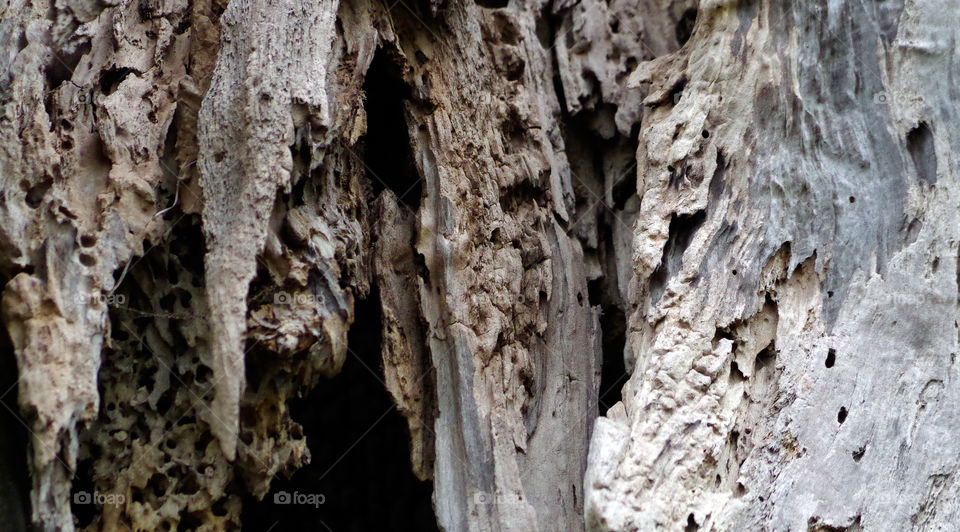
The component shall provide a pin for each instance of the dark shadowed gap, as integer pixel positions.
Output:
(676, 93)
(110, 79)
(14, 483)
(831, 358)
(360, 450)
(492, 4)
(625, 189)
(387, 154)
(613, 374)
(613, 323)
(597, 163)
(921, 148)
(685, 26)
(545, 28)
(81, 486)
(682, 229)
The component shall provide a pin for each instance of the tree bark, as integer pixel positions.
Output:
(746, 210)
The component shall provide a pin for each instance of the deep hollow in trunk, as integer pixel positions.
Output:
(360, 462)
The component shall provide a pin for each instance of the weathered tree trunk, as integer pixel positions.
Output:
(219, 219)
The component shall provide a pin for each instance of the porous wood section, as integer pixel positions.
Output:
(753, 204)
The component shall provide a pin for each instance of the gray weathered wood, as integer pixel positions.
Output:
(195, 195)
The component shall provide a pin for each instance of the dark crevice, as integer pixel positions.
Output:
(717, 182)
(913, 230)
(110, 79)
(522, 193)
(546, 33)
(685, 26)
(61, 69)
(605, 293)
(735, 374)
(603, 162)
(492, 4)
(182, 27)
(682, 229)
(613, 372)
(360, 458)
(37, 191)
(300, 152)
(831, 358)
(817, 524)
(420, 262)
(921, 148)
(514, 126)
(765, 358)
(387, 151)
(558, 88)
(595, 160)
(81, 493)
(858, 454)
(14, 482)
(613, 330)
(624, 190)
(676, 92)
(545, 28)
(591, 98)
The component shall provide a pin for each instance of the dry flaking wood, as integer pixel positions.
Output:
(753, 202)
(795, 277)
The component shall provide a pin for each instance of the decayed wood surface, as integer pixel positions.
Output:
(794, 277)
(195, 195)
